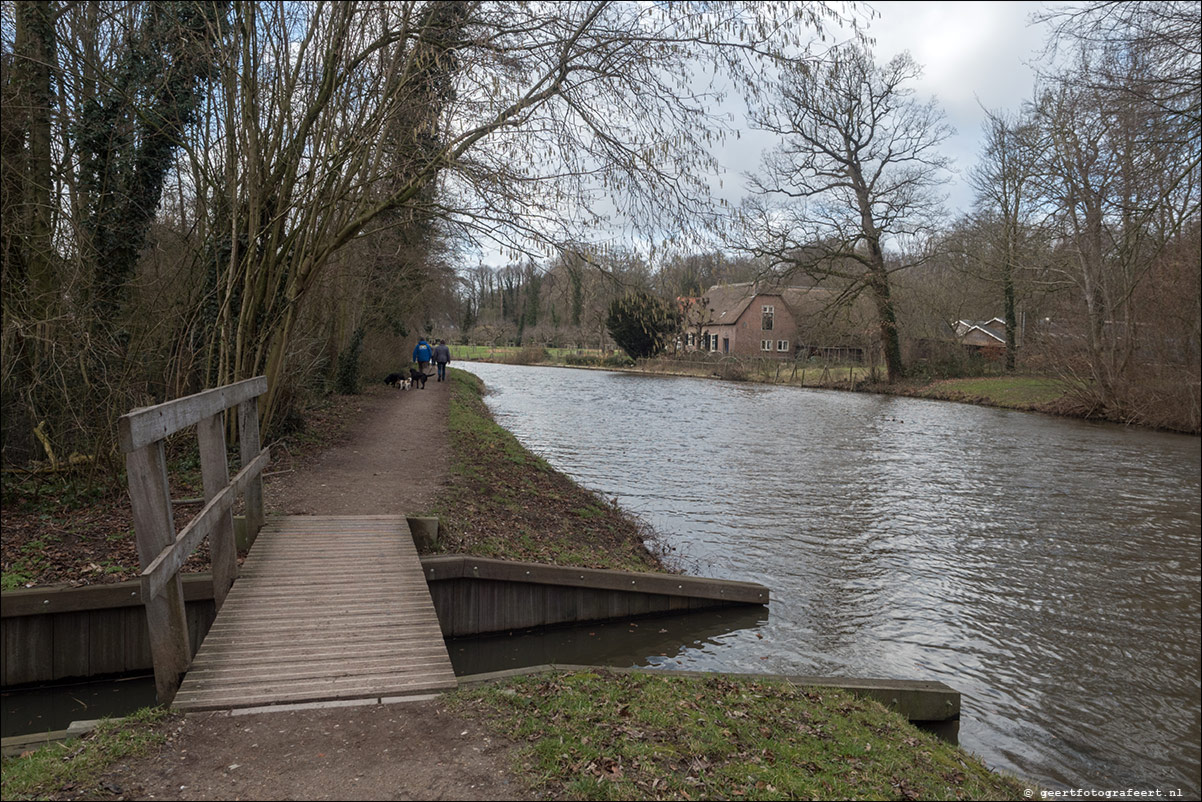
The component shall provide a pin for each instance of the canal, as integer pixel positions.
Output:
(1046, 568)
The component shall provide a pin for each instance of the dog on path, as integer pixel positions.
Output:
(417, 378)
(394, 380)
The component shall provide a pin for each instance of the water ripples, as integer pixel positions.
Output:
(1047, 569)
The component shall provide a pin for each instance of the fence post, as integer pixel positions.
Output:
(248, 443)
(154, 527)
(215, 475)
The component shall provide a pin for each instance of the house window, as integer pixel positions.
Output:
(766, 315)
(782, 345)
(713, 342)
(765, 345)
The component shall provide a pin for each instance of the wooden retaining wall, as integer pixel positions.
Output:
(55, 633)
(475, 595)
(58, 632)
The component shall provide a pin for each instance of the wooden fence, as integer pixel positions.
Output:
(161, 551)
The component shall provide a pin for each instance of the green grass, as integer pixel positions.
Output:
(16, 575)
(592, 735)
(483, 352)
(505, 502)
(79, 764)
(29, 562)
(1018, 392)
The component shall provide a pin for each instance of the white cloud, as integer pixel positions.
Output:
(973, 54)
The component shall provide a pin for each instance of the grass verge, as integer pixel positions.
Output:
(1012, 392)
(508, 503)
(601, 735)
(75, 769)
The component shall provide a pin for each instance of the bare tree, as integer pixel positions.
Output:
(858, 167)
(1119, 166)
(1007, 211)
(1145, 53)
(302, 128)
(501, 120)
(97, 97)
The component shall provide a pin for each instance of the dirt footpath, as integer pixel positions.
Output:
(392, 461)
(412, 750)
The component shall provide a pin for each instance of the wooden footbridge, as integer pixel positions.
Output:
(326, 609)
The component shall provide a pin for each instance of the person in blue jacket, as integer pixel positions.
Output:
(421, 355)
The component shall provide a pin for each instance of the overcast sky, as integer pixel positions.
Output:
(973, 54)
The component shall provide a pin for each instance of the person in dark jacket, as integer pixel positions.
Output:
(421, 355)
(442, 355)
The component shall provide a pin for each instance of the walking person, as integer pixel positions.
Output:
(421, 355)
(442, 356)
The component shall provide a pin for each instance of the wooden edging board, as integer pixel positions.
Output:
(66, 599)
(52, 633)
(464, 567)
(63, 599)
(17, 744)
(917, 700)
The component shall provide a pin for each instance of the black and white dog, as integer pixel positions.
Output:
(398, 380)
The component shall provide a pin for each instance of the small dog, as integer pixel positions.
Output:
(418, 378)
(394, 380)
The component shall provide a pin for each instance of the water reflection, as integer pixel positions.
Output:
(54, 707)
(1046, 568)
(649, 641)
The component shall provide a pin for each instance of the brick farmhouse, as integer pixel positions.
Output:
(754, 320)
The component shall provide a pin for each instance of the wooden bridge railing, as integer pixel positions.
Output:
(162, 552)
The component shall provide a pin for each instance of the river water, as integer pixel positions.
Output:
(1046, 568)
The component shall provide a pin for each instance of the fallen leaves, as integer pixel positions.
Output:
(605, 768)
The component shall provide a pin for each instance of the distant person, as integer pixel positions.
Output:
(421, 355)
(442, 356)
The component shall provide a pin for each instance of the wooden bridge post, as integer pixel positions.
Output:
(248, 443)
(215, 475)
(154, 528)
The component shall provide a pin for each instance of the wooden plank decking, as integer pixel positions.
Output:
(325, 608)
